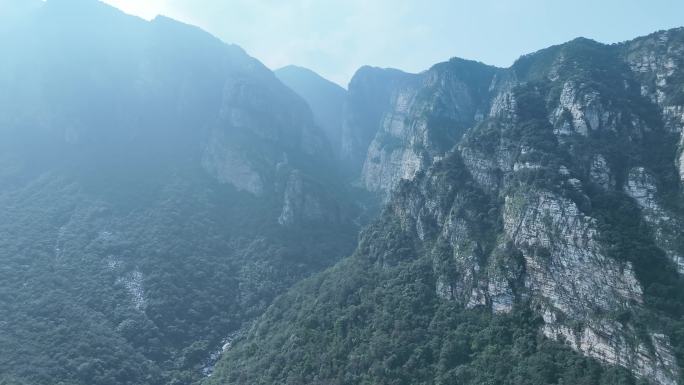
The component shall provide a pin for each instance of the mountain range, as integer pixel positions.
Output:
(174, 212)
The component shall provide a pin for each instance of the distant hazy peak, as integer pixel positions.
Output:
(302, 73)
(371, 70)
(297, 69)
(464, 64)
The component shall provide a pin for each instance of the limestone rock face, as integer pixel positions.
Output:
(425, 119)
(667, 226)
(539, 237)
(230, 166)
(572, 281)
(584, 113)
(657, 61)
(369, 97)
(305, 202)
(547, 252)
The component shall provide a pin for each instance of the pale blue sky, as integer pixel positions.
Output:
(336, 37)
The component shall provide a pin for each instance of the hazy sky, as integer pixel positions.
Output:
(336, 37)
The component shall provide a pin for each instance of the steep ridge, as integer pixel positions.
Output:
(552, 229)
(427, 117)
(369, 97)
(158, 188)
(326, 99)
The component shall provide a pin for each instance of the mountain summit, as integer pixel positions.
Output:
(326, 99)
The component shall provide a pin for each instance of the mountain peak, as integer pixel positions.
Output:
(293, 72)
(298, 69)
(325, 98)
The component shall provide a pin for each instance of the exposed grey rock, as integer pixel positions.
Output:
(503, 104)
(562, 254)
(583, 107)
(426, 118)
(653, 361)
(370, 95)
(667, 227)
(656, 60)
(600, 172)
(483, 169)
(228, 165)
(305, 202)
(565, 271)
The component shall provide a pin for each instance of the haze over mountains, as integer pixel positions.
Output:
(167, 202)
(158, 189)
(325, 98)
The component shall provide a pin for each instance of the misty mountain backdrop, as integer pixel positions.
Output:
(174, 212)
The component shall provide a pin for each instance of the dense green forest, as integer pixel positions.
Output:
(206, 266)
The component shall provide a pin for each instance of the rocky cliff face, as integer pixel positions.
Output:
(570, 275)
(404, 141)
(369, 97)
(554, 185)
(426, 117)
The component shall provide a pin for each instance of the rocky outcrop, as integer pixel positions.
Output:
(583, 109)
(369, 97)
(667, 227)
(306, 202)
(578, 289)
(651, 360)
(600, 173)
(657, 60)
(562, 255)
(228, 165)
(426, 118)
